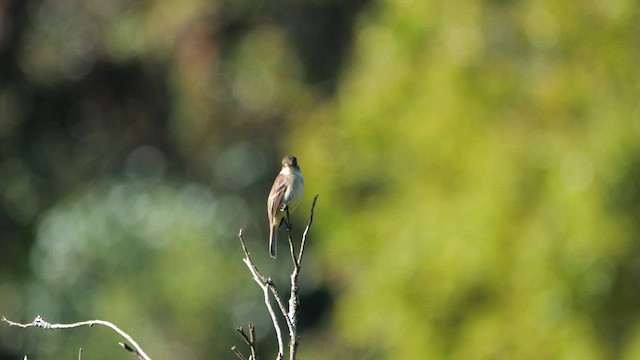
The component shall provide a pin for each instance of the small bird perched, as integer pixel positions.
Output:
(285, 195)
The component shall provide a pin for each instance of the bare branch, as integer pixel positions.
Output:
(136, 350)
(264, 285)
(305, 234)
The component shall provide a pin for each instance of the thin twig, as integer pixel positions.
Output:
(235, 350)
(280, 302)
(136, 350)
(305, 234)
(244, 335)
(254, 345)
(292, 249)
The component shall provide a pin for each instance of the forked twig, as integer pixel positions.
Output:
(250, 339)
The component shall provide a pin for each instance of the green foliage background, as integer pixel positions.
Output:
(478, 165)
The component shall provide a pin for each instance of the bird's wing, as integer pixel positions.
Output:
(274, 202)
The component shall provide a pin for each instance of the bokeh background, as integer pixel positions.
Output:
(478, 165)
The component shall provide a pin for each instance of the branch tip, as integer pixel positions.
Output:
(234, 349)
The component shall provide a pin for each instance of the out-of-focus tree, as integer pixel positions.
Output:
(479, 167)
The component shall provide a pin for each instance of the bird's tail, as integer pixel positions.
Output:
(273, 241)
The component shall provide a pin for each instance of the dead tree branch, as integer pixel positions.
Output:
(289, 313)
(136, 350)
(264, 284)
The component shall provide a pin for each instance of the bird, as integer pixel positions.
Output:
(284, 198)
